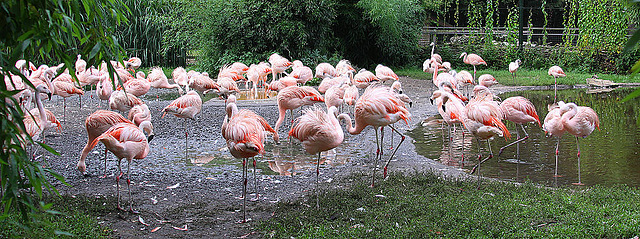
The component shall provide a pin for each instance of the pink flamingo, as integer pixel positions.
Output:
(580, 121)
(278, 64)
(513, 67)
(137, 86)
(484, 120)
(133, 63)
(335, 96)
(377, 107)
(123, 101)
(556, 72)
(282, 83)
(553, 126)
(294, 97)
(343, 67)
(244, 132)
(519, 110)
(99, 122)
(186, 107)
(225, 87)
(37, 123)
(452, 110)
(159, 80)
(385, 73)
(487, 80)
(351, 95)
(64, 87)
(179, 76)
(202, 83)
(474, 60)
(328, 82)
(139, 113)
(302, 74)
(104, 89)
(325, 69)
(364, 78)
(318, 131)
(125, 141)
(81, 65)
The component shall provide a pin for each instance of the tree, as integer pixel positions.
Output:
(45, 31)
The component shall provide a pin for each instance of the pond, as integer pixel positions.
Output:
(609, 156)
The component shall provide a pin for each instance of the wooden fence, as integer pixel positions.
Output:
(444, 34)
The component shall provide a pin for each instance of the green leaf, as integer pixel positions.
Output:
(631, 96)
(95, 50)
(632, 42)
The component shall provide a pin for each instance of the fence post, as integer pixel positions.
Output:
(521, 30)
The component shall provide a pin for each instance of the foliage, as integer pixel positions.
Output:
(45, 30)
(426, 205)
(603, 25)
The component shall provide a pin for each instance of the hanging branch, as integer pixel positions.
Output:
(546, 21)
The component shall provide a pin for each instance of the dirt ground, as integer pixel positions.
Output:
(170, 190)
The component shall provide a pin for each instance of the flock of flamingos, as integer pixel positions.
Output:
(318, 129)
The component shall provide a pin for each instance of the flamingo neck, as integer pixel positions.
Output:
(349, 125)
(43, 116)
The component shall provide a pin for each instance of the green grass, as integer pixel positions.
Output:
(426, 206)
(75, 217)
(527, 77)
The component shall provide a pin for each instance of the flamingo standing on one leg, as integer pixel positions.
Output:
(377, 107)
(553, 126)
(318, 131)
(125, 141)
(556, 72)
(244, 133)
(452, 109)
(186, 107)
(63, 86)
(519, 110)
(474, 60)
(513, 67)
(579, 121)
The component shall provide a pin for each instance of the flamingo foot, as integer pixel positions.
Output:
(243, 221)
(103, 176)
(558, 176)
(578, 184)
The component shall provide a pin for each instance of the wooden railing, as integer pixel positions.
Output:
(441, 34)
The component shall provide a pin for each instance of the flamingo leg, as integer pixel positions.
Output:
(579, 178)
(484, 160)
(118, 184)
(317, 176)
(555, 89)
(105, 163)
(515, 142)
(474, 73)
(375, 163)
(450, 139)
(557, 145)
(394, 151)
(255, 179)
(477, 166)
(186, 139)
(129, 188)
(462, 161)
(64, 110)
(80, 100)
(244, 190)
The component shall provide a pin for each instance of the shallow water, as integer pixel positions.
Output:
(609, 156)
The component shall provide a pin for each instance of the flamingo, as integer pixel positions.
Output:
(474, 60)
(484, 120)
(179, 76)
(226, 86)
(487, 80)
(519, 110)
(64, 87)
(385, 73)
(159, 80)
(351, 95)
(139, 113)
(292, 98)
(327, 82)
(513, 67)
(335, 96)
(282, 83)
(119, 100)
(452, 110)
(325, 69)
(186, 107)
(244, 132)
(36, 124)
(553, 126)
(580, 121)
(125, 141)
(202, 83)
(318, 131)
(231, 72)
(133, 63)
(137, 86)
(51, 121)
(240, 68)
(278, 64)
(99, 122)
(302, 74)
(377, 107)
(81, 65)
(343, 67)
(364, 78)
(104, 89)
(556, 72)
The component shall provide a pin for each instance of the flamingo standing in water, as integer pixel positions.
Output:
(553, 126)
(125, 141)
(451, 108)
(513, 67)
(519, 110)
(186, 107)
(244, 132)
(474, 60)
(580, 121)
(556, 72)
(318, 131)
(377, 107)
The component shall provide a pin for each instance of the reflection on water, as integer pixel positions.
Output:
(608, 157)
(285, 159)
(243, 95)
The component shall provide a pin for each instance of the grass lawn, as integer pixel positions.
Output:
(423, 205)
(67, 217)
(527, 77)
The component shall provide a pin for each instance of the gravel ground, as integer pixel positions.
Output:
(205, 198)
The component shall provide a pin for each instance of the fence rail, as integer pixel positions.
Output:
(440, 34)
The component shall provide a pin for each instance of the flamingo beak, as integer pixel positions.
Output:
(150, 137)
(49, 96)
(431, 101)
(411, 104)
